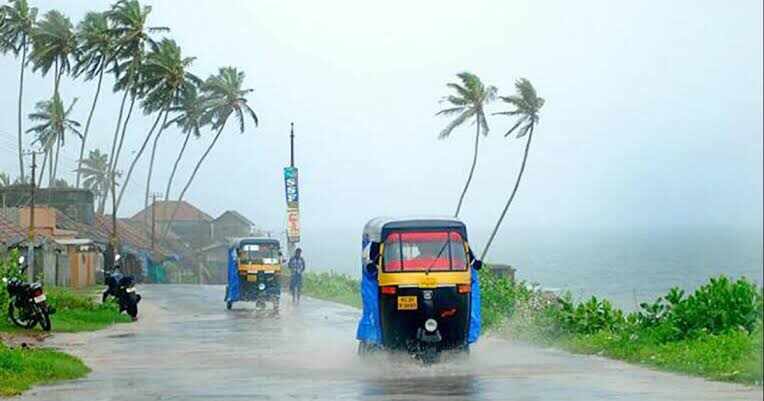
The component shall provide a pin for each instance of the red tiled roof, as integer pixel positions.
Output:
(164, 211)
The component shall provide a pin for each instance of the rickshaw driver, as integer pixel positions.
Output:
(297, 267)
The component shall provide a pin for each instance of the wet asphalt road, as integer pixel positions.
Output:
(186, 346)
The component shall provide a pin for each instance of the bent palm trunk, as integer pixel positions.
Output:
(175, 167)
(21, 96)
(472, 171)
(190, 180)
(137, 157)
(511, 197)
(151, 164)
(87, 128)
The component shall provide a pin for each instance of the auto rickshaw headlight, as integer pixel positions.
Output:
(261, 286)
(430, 325)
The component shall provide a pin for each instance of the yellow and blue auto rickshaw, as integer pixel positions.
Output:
(419, 287)
(254, 270)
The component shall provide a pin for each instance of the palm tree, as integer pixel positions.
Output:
(96, 177)
(163, 77)
(468, 103)
(190, 109)
(94, 55)
(526, 107)
(224, 96)
(5, 180)
(53, 42)
(129, 21)
(54, 125)
(18, 19)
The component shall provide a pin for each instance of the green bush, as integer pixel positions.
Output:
(589, 317)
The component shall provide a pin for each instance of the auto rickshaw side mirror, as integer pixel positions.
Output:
(477, 264)
(371, 268)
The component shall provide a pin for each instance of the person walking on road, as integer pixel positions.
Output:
(297, 267)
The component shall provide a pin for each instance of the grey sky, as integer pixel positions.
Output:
(653, 113)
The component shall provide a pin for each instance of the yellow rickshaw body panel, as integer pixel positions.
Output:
(424, 280)
(253, 268)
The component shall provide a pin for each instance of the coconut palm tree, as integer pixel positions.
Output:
(53, 42)
(54, 125)
(526, 105)
(467, 105)
(190, 110)
(5, 180)
(130, 27)
(225, 97)
(95, 53)
(18, 19)
(96, 177)
(163, 77)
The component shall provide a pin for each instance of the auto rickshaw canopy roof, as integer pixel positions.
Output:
(376, 227)
(238, 242)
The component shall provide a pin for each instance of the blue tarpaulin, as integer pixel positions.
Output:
(232, 292)
(475, 312)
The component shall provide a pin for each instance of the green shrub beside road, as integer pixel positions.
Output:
(20, 368)
(714, 332)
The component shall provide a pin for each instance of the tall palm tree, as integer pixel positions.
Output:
(130, 27)
(5, 180)
(18, 20)
(190, 110)
(225, 97)
(95, 53)
(96, 177)
(54, 125)
(526, 105)
(467, 105)
(164, 75)
(53, 42)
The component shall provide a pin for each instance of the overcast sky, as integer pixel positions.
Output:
(653, 114)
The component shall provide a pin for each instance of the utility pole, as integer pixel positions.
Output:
(291, 145)
(30, 240)
(153, 221)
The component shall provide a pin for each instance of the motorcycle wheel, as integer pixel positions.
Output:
(132, 306)
(16, 317)
(43, 316)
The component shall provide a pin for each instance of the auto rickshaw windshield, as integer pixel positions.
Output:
(259, 253)
(413, 251)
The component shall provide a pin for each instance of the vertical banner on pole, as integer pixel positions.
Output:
(293, 204)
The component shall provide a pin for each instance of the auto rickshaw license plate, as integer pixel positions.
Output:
(251, 277)
(407, 302)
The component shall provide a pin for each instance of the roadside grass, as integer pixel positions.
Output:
(75, 311)
(332, 286)
(22, 368)
(715, 332)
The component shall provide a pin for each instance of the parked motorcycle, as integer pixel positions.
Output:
(122, 288)
(28, 305)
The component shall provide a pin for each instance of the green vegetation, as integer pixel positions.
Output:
(20, 368)
(332, 286)
(714, 332)
(75, 310)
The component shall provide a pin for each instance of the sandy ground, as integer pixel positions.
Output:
(186, 346)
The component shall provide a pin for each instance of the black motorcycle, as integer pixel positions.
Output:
(28, 305)
(123, 289)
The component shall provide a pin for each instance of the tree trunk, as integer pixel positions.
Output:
(55, 164)
(122, 136)
(87, 128)
(151, 163)
(175, 166)
(102, 206)
(50, 167)
(190, 180)
(137, 157)
(42, 169)
(511, 197)
(21, 96)
(472, 169)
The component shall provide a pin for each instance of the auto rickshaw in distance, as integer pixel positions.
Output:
(419, 287)
(254, 272)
